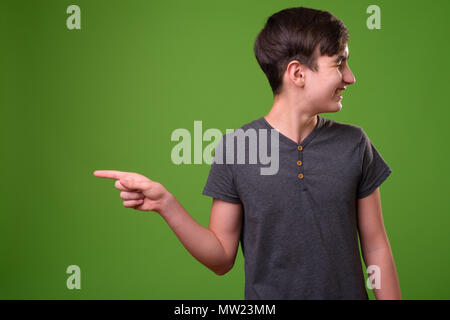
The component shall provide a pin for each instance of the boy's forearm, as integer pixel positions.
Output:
(201, 242)
(389, 283)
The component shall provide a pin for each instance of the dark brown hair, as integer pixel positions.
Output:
(294, 34)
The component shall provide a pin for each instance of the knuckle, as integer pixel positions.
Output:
(127, 179)
(159, 187)
(139, 196)
(147, 184)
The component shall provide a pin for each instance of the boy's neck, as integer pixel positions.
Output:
(291, 120)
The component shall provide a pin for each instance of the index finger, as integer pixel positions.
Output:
(111, 174)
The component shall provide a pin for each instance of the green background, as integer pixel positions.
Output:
(108, 96)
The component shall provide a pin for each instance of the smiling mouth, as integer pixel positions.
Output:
(339, 91)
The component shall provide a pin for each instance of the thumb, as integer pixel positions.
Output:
(132, 184)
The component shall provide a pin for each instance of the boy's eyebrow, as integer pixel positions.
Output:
(340, 58)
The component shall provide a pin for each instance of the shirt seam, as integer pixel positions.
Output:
(213, 193)
(360, 153)
(381, 178)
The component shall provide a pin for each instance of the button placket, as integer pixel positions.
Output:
(300, 174)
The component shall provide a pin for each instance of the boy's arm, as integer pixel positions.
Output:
(375, 246)
(215, 247)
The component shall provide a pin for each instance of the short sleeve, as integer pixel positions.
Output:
(374, 170)
(220, 182)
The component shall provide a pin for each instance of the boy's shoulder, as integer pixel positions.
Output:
(341, 128)
(252, 125)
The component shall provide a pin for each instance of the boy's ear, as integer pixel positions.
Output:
(296, 72)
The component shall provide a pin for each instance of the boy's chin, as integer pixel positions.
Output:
(334, 107)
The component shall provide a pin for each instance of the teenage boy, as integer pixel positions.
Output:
(299, 227)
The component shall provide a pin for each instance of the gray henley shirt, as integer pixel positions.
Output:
(299, 231)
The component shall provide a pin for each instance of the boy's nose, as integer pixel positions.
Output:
(349, 78)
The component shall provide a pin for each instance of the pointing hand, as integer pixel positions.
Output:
(138, 191)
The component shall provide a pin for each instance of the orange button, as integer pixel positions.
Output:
(300, 175)
(299, 162)
(300, 148)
